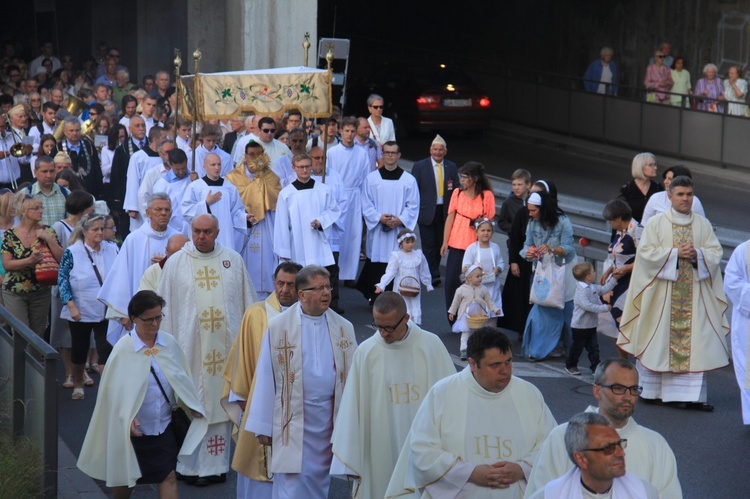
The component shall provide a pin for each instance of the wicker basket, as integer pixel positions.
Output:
(409, 286)
(474, 320)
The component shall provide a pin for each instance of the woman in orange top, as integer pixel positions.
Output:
(473, 200)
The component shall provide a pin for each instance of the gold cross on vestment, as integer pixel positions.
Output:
(206, 278)
(285, 354)
(212, 320)
(214, 363)
(254, 247)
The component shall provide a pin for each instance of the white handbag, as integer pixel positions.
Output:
(548, 285)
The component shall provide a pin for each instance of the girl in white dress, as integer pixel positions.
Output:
(408, 266)
(487, 255)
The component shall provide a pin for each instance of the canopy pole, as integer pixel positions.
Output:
(177, 82)
(196, 57)
(329, 61)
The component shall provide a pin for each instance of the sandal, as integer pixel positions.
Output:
(77, 394)
(68, 382)
(94, 368)
(87, 381)
(86, 367)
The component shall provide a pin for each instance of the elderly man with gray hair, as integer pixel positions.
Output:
(598, 453)
(142, 248)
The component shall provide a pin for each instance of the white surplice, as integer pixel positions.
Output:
(353, 165)
(229, 210)
(206, 296)
(319, 380)
(200, 156)
(140, 162)
(176, 189)
(386, 385)
(238, 149)
(282, 167)
(147, 186)
(648, 456)
(737, 288)
(293, 236)
(451, 435)
(394, 197)
(334, 181)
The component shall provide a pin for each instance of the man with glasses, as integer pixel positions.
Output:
(598, 453)
(649, 456)
(273, 147)
(206, 290)
(303, 366)
(391, 373)
(477, 432)
(112, 53)
(250, 458)
(305, 213)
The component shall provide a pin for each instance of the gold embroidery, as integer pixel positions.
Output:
(285, 355)
(343, 343)
(212, 320)
(207, 279)
(150, 351)
(214, 363)
(681, 313)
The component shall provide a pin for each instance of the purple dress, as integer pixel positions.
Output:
(715, 90)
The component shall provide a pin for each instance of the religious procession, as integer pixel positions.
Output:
(189, 238)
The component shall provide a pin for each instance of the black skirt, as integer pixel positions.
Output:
(156, 454)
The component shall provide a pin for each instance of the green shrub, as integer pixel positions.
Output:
(21, 468)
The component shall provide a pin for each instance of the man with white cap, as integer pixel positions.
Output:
(436, 179)
(19, 122)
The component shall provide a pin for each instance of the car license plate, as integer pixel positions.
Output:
(457, 102)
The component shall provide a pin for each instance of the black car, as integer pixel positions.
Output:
(425, 98)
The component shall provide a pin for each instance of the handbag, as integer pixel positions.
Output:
(180, 419)
(548, 285)
(46, 271)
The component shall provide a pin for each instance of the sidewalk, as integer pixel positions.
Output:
(727, 176)
(72, 483)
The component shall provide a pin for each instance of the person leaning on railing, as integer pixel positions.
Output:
(24, 297)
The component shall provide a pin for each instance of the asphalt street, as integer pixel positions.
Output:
(710, 447)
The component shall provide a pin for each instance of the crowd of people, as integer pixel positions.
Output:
(198, 278)
(668, 82)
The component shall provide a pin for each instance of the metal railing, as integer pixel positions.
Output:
(29, 364)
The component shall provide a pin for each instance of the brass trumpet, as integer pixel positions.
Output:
(18, 149)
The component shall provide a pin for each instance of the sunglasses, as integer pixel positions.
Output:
(268, 130)
(377, 107)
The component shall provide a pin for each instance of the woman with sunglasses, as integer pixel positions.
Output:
(658, 80)
(381, 128)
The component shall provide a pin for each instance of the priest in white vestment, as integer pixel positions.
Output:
(648, 456)
(737, 288)
(305, 213)
(391, 373)
(212, 194)
(259, 190)
(353, 164)
(141, 249)
(302, 370)
(140, 162)
(598, 453)
(674, 321)
(210, 135)
(390, 202)
(455, 450)
(250, 457)
(207, 291)
(175, 183)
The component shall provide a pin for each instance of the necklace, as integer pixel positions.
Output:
(82, 172)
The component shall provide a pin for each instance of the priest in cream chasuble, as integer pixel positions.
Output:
(207, 291)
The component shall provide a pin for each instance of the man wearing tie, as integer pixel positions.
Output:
(436, 179)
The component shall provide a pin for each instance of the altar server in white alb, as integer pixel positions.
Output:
(210, 135)
(737, 288)
(353, 164)
(390, 202)
(174, 183)
(301, 375)
(141, 249)
(207, 290)
(391, 373)
(455, 450)
(157, 172)
(648, 456)
(598, 453)
(305, 213)
(141, 162)
(212, 194)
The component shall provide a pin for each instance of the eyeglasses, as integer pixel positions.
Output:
(634, 390)
(377, 107)
(608, 450)
(387, 329)
(660, 57)
(391, 153)
(268, 130)
(152, 320)
(319, 289)
(114, 227)
(303, 167)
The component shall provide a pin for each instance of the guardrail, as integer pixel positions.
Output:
(30, 366)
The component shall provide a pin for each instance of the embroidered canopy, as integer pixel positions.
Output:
(261, 91)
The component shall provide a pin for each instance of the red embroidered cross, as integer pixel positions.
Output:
(216, 445)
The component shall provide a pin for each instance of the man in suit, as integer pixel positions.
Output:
(236, 124)
(436, 179)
